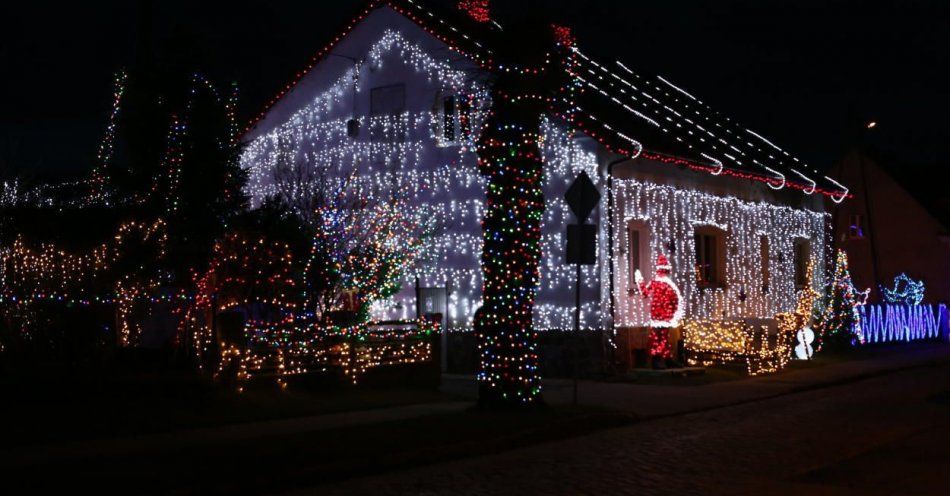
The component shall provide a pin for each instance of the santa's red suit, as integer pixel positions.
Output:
(666, 307)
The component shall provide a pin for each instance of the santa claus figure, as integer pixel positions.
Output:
(666, 310)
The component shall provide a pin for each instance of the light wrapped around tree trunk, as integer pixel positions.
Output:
(510, 159)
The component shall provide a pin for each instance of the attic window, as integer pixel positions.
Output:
(386, 106)
(387, 100)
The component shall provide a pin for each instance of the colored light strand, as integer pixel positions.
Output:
(906, 291)
(900, 322)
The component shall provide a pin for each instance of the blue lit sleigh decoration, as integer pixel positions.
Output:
(910, 293)
(902, 317)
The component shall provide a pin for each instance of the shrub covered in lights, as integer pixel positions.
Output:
(165, 185)
(839, 325)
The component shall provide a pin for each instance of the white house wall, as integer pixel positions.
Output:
(674, 213)
(443, 180)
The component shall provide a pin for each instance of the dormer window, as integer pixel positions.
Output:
(450, 120)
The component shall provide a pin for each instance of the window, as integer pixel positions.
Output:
(856, 226)
(386, 106)
(710, 247)
(449, 119)
(764, 257)
(387, 100)
(635, 251)
(450, 122)
(802, 253)
(638, 251)
(463, 108)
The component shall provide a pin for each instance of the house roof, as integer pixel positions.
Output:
(635, 114)
(631, 114)
(931, 195)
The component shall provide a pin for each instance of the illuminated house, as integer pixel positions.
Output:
(399, 96)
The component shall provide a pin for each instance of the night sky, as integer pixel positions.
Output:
(806, 74)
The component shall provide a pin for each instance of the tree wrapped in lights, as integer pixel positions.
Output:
(512, 233)
(839, 325)
(145, 219)
(509, 157)
(249, 273)
(364, 235)
(372, 262)
(365, 259)
(205, 180)
(256, 272)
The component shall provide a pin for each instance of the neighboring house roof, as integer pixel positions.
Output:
(629, 113)
(931, 195)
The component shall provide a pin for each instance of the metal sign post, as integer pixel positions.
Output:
(581, 247)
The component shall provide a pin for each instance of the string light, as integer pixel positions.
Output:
(351, 351)
(708, 342)
(690, 123)
(476, 9)
(503, 206)
(888, 323)
(107, 274)
(107, 145)
(840, 323)
(798, 321)
(734, 340)
(911, 293)
(452, 192)
(673, 213)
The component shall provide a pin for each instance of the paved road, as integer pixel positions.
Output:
(880, 436)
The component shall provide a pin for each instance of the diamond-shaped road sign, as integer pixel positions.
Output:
(582, 196)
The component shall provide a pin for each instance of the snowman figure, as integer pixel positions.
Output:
(666, 310)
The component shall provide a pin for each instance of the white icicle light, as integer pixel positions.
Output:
(445, 183)
(674, 214)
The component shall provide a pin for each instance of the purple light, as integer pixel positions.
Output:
(889, 323)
